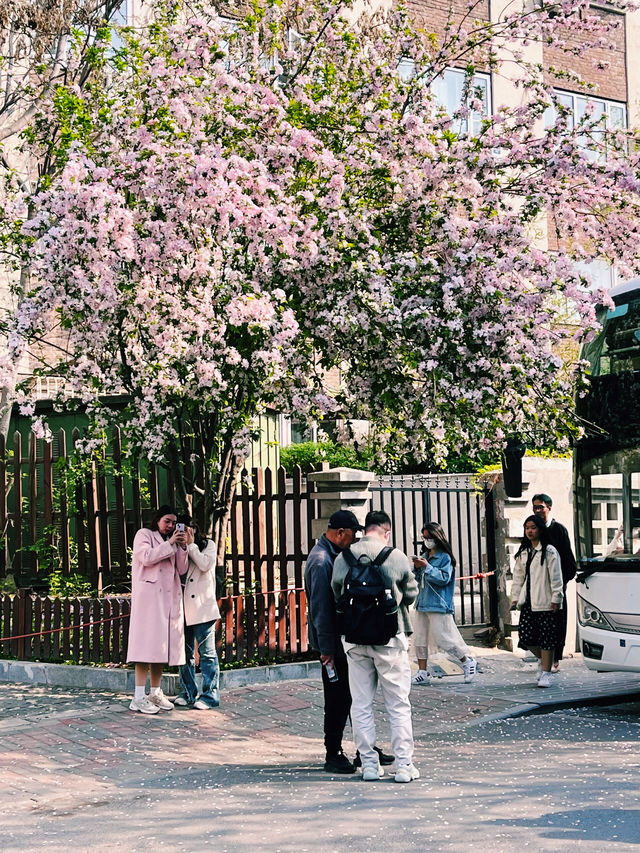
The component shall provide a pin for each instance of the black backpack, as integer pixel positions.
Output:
(367, 609)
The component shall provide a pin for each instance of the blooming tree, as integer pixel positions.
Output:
(44, 46)
(243, 210)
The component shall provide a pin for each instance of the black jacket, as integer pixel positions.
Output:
(559, 538)
(323, 634)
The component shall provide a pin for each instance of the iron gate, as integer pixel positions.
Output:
(467, 514)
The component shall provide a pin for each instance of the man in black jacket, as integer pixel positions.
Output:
(559, 538)
(324, 637)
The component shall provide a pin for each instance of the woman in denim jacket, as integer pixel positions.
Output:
(433, 622)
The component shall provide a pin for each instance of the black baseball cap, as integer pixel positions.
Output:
(344, 518)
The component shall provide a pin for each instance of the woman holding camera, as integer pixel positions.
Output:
(156, 624)
(200, 615)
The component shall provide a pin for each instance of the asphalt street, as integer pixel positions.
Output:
(82, 773)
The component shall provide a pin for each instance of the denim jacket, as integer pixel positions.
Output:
(437, 582)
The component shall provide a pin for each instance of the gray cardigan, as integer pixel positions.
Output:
(396, 569)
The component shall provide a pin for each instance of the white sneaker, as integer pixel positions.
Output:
(201, 705)
(407, 773)
(160, 701)
(372, 772)
(545, 680)
(143, 705)
(469, 666)
(421, 677)
(181, 702)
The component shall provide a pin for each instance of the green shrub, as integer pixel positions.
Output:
(68, 586)
(309, 454)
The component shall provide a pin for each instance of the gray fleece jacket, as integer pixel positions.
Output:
(396, 569)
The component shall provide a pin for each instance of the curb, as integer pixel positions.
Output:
(122, 680)
(586, 701)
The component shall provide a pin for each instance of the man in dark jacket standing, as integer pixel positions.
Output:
(323, 636)
(559, 538)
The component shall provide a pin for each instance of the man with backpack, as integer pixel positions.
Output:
(324, 637)
(374, 585)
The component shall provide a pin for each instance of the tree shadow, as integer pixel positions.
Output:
(621, 826)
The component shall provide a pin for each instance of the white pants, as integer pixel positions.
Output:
(433, 632)
(388, 666)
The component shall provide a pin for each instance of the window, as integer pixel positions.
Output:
(449, 92)
(609, 115)
(606, 500)
(232, 57)
(609, 506)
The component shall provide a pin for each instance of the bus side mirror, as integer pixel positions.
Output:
(512, 467)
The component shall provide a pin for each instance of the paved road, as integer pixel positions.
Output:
(80, 772)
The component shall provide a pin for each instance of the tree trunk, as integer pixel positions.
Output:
(221, 522)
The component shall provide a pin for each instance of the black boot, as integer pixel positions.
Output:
(337, 762)
(384, 759)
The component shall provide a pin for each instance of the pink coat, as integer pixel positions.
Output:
(156, 626)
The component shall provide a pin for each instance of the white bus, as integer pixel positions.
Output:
(607, 491)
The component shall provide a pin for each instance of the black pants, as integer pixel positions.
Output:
(337, 704)
(562, 626)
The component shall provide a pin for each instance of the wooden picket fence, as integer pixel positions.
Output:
(91, 531)
(253, 627)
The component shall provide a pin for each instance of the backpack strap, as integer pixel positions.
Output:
(350, 560)
(382, 556)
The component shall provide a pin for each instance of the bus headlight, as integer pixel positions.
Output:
(589, 615)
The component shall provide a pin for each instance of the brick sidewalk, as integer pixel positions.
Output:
(60, 748)
(66, 754)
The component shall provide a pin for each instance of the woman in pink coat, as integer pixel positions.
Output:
(156, 625)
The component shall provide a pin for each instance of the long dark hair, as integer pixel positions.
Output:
(543, 536)
(165, 509)
(200, 541)
(436, 532)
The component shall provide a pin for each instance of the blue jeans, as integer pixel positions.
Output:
(205, 635)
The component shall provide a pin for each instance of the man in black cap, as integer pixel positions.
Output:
(559, 538)
(323, 637)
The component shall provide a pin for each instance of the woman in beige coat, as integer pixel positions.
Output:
(200, 615)
(537, 593)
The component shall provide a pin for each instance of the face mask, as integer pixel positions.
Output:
(429, 543)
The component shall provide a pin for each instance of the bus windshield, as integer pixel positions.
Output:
(607, 458)
(608, 505)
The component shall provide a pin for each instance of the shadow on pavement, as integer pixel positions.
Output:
(621, 826)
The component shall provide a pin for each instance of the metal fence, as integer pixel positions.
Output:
(466, 514)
